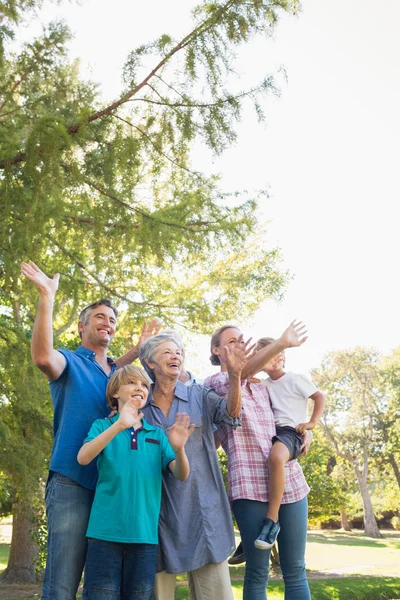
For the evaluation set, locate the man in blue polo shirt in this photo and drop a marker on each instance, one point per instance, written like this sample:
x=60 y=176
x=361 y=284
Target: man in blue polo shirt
x=78 y=382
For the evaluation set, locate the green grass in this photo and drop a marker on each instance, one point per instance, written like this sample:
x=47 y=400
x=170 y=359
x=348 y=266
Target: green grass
x=349 y=588
x=371 y=568
x=365 y=588
x=4 y=551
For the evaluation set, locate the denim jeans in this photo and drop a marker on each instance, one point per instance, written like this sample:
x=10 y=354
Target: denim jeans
x=116 y=571
x=249 y=515
x=68 y=507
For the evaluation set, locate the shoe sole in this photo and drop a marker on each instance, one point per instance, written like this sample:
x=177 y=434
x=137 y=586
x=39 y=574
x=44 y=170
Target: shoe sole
x=237 y=560
x=262 y=545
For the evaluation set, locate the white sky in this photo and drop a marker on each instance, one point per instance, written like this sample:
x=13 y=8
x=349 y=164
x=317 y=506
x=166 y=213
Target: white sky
x=328 y=152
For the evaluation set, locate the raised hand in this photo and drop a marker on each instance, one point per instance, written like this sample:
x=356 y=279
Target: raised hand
x=180 y=431
x=238 y=355
x=130 y=416
x=44 y=284
x=295 y=335
x=148 y=330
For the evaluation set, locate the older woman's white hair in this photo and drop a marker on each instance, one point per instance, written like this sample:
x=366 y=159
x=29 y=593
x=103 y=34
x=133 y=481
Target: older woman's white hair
x=148 y=349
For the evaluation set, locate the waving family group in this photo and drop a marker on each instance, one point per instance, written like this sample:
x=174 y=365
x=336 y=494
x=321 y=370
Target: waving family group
x=135 y=494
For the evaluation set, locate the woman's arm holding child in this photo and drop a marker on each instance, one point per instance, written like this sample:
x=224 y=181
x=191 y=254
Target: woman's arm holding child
x=178 y=435
x=129 y=417
x=319 y=405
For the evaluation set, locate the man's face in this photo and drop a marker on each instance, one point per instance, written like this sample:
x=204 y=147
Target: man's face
x=100 y=327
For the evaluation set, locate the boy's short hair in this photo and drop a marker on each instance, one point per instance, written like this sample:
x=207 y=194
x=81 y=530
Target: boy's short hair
x=263 y=342
x=124 y=376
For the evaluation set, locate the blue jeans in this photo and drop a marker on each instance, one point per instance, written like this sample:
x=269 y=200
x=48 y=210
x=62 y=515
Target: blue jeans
x=68 y=507
x=116 y=571
x=249 y=515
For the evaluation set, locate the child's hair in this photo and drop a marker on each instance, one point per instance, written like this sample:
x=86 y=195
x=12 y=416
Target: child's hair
x=124 y=376
x=263 y=342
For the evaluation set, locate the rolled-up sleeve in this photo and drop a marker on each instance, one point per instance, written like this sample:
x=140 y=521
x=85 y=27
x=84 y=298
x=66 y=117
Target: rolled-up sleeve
x=216 y=400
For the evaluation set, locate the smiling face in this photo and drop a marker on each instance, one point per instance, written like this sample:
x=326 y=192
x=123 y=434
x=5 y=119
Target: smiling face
x=168 y=360
x=134 y=392
x=99 y=327
x=228 y=337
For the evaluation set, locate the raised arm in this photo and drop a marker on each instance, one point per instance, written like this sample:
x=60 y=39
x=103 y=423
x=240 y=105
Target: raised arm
x=51 y=362
x=236 y=359
x=148 y=330
x=293 y=336
x=129 y=417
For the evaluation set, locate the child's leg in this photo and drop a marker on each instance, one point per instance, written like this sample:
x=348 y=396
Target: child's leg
x=103 y=570
x=278 y=457
x=139 y=571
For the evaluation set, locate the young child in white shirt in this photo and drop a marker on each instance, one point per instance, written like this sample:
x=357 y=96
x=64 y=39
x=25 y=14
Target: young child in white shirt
x=289 y=394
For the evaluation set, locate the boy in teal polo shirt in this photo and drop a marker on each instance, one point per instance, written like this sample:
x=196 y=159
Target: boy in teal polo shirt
x=123 y=524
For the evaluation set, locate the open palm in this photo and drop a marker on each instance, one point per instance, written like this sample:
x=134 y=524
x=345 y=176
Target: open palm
x=238 y=355
x=44 y=284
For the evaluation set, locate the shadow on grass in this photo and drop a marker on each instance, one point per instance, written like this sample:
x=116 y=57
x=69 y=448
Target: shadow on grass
x=342 y=539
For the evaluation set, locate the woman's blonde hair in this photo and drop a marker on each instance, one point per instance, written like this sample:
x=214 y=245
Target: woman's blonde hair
x=124 y=376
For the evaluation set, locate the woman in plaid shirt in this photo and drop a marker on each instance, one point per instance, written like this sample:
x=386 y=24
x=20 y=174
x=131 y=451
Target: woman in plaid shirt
x=248 y=449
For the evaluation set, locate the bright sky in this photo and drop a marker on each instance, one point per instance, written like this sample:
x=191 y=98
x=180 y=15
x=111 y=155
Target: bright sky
x=328 y=153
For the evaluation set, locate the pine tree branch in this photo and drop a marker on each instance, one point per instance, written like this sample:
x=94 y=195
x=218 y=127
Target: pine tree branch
x=105 y=287
x=145 y=215
x=171 y=160
x=111 y=108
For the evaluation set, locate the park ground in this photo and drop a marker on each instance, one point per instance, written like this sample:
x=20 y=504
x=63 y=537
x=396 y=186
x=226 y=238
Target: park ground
x=341 y=566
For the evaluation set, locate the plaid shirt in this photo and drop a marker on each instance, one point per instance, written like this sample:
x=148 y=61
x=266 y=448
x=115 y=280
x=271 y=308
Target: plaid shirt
x=248 y=446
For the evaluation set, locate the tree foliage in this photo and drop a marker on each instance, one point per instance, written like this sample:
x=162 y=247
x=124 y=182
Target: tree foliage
x=356 y=399
x=106 y=195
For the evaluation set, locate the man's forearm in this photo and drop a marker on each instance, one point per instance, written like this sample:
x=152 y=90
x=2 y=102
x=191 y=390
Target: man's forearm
x=42 y=335
x=234 y=399
x=128 y=357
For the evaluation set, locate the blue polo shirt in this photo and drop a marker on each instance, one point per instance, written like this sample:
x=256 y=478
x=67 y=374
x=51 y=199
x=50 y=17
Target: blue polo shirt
x=127 y=501
x=79 y=398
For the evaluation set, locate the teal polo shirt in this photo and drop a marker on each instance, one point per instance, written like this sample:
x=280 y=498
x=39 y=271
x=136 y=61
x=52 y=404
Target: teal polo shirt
x=127 y=501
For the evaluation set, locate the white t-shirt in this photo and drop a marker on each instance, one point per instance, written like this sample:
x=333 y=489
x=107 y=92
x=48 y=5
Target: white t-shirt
x=289 y=396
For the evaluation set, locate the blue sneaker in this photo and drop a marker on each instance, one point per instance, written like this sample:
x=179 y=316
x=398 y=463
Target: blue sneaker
x=268 y=535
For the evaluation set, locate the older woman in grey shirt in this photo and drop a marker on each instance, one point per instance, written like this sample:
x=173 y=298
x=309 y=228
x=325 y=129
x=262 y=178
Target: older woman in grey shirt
x=195 y=529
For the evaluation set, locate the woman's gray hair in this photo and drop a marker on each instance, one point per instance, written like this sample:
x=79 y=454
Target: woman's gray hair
x=148 y=349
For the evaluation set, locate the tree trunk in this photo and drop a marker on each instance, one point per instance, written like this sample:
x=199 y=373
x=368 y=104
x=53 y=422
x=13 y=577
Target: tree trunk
x=395 y=467
x=344 y=519
x=371 y=526
x=23 y=550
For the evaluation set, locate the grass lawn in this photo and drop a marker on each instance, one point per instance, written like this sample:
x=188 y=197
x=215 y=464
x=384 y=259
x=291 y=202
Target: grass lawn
x=365 y=569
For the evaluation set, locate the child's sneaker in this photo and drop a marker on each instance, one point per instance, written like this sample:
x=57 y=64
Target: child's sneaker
x=268 y=535
x=238 y=556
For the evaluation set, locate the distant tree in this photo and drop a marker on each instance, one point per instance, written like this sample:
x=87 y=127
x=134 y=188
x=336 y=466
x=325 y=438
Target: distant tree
x=386 y=449
x=326 y=496
x=106 y=195
x=351 y=381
